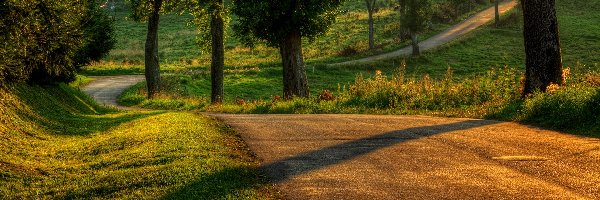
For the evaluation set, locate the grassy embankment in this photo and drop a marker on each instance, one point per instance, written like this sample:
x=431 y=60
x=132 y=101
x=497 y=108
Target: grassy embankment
x=55 y=143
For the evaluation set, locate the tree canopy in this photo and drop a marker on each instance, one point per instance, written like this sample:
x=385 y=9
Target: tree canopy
x=272 y=20
x=39 y=38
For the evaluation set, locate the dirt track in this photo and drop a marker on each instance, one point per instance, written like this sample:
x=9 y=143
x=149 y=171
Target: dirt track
x=416 y=157
x=106 y=89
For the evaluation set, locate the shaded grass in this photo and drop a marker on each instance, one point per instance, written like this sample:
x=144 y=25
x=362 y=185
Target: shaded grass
x=55 y=143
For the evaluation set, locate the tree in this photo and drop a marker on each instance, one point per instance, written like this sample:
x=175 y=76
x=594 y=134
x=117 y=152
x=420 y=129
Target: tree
x=98 y=32
x=283 y=24
x=542 y=46
x=213 y=14
x=150 y=10
x=217 y=24
x=38 y=40
x=497 y=15
x=414 y=15
x=371 y=10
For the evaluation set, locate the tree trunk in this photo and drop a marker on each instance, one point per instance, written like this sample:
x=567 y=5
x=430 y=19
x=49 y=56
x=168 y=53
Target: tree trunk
x=370 y=10
x=496 y=2
x=218 y=52
x=542 y=46
x=151 y=64
x=415 y=44
x=294 y=70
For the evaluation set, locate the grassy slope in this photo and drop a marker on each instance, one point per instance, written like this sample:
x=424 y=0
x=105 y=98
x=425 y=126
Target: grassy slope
x=492 y=47
x=55 y=143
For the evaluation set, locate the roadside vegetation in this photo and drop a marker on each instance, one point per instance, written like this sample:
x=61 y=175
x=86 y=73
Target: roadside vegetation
x=57 y=143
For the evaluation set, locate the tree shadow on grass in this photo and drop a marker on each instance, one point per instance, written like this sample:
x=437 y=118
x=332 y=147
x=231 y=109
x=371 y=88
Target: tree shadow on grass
x=226 y=182
x=67 y=111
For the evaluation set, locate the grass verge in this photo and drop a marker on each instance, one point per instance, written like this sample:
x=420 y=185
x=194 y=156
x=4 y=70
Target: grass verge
x=572 y=107
x=55 y=143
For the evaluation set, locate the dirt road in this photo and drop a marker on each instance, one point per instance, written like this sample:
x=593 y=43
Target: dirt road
x=415 y=157
x=106 y=89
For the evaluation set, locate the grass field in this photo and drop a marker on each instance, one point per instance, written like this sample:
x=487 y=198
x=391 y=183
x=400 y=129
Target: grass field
x=56 y=144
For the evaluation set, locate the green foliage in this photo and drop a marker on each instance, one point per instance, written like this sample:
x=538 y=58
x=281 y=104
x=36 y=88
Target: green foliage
x=273 y=20
x=71 y=148
x=414 y=14
x=567 y=108
x=98 y=30
x=38 y=39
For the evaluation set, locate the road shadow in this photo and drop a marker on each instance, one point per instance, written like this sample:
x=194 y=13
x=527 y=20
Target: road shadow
x=285 y=169
x=282 y=170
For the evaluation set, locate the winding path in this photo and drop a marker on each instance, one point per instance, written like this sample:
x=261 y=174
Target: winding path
x=407 y=157
x=106 y=89
x=448 y=35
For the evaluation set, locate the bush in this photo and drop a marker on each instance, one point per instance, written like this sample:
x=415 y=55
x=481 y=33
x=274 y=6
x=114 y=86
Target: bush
x=98 y=31
x=400 y=93
x=38 y=40
x=566 y=108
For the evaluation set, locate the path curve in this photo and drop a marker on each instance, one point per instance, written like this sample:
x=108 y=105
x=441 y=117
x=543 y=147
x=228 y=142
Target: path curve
x=407 y=157
x=417 y=157
x=448 y=35
x=106 y=89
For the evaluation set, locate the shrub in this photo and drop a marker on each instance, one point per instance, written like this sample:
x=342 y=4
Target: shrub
x=38 y=40
x=348 y=51
x=381 y=92
x=565 y=108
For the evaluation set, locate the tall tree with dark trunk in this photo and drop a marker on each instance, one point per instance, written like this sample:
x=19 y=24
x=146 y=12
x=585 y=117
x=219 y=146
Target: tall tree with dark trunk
x=414 y=15
x=542 y=46
x=151 y=64
x=218 y=53
x=497 y=14
x=371 y=11
x=283 y=24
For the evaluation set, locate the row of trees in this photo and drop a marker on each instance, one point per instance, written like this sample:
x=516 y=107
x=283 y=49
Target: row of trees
x=45 y=41
x=286 y=22
x=284 y=26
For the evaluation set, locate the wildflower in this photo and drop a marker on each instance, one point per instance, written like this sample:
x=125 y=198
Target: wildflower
x=565 y=74
x=552 y=87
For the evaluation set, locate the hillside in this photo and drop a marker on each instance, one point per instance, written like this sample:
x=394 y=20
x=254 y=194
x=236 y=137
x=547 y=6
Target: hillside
x=56 y=143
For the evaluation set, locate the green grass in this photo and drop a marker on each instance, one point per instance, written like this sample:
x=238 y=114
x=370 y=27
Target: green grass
x=469 y=56
x=253 y=77
x=491 y=47
x=55 y=143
